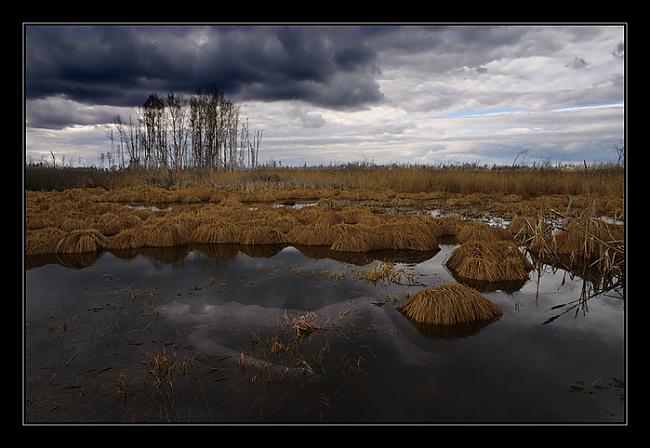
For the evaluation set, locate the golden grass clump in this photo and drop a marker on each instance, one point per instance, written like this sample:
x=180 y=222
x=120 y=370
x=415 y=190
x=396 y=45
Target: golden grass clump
x=126 y=239
x=163 y=234
x=234 y=214
x=448 y=225
x=72 y=224
x=254 y=234
x=216 y=232
x=313 y=234
x=354 y=239
x=353 y=214
x=80 y=241
x=42 y=241
x=480 y=231
x=308 y=215
x=404 y=236
x=492 y=261
x=328 y=218
x=529 y=231
x=589 y=238
x=111 y=223
x=449 y=304
x=282 y=222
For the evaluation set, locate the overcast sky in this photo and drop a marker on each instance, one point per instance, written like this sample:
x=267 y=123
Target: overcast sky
x=331 y=94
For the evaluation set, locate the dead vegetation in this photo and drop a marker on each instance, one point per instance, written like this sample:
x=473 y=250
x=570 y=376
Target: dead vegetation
x=449 y=304
x=91 y=220
x=479 y=231
x=493 y=261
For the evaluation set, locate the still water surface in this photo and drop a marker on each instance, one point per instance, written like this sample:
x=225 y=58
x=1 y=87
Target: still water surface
x=91 y=335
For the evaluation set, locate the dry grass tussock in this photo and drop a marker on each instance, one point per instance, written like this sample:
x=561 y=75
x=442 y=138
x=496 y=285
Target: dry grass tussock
x=112 y=223
x=355 y=239
x=216 y=232
x=258 y=234
x=531 y=232
x=589 y=238
x=313 y=234
x=449 y=304
x=405 y=235
x=480 y=231
x=163 y=234
x=494 y=261
x=80 y=241
x=42 y=241
x=126 y=239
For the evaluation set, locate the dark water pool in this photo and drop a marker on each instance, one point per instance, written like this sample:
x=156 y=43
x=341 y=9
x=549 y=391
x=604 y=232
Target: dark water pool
x=194 y=338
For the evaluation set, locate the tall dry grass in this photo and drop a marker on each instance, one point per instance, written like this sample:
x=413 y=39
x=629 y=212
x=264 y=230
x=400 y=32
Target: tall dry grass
x=526 y=182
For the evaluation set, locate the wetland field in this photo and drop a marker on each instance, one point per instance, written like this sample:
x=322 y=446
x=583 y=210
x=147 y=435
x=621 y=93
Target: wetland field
x=470 y=298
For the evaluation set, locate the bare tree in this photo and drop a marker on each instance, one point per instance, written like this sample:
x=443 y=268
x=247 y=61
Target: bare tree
x=53 y=158
x=205 y=130
x=620 y=153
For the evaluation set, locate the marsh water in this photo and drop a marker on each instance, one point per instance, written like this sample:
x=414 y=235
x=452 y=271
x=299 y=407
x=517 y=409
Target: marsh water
x=208 y=334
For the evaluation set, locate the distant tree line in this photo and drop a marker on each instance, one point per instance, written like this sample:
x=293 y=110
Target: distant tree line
x=204 y=130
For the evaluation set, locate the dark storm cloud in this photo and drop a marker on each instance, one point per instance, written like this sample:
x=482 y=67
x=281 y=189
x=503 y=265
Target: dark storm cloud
x=619 y=52
x=120 y=66
x=334 y=67
x=577 y=63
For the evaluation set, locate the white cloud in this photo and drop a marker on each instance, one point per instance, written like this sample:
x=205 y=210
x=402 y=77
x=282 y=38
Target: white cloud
x=533 y=94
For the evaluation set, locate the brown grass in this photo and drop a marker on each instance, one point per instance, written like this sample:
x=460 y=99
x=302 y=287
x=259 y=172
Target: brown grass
x=37 y=220
x=80 y=241
x=408 y=236
x=126 y=239
x=480 y=231
x=112 y=223
x=43 y=241
x=353 y=214
x=494 y=261
x=449 y=304
x=257 y=234
x=216 y=232
x=588 y=238
x=163 y=234
x=354 y=239
x=313 y=235
x=448 y=225
x=72 y=224
x=531 y=232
